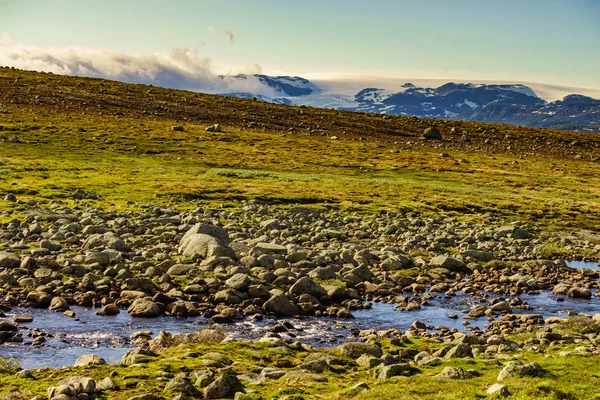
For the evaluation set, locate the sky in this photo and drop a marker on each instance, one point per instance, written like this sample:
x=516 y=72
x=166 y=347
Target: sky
x=549 y=41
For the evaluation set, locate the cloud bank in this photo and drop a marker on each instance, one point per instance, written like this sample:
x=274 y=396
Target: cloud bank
x=179 y=68
x=5 y=38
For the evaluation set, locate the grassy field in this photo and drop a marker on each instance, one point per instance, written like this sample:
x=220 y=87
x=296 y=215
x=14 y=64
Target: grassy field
x=123 y=153
x=571 y=377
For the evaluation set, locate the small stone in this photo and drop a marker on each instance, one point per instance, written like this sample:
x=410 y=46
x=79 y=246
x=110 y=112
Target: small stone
x=498 y=389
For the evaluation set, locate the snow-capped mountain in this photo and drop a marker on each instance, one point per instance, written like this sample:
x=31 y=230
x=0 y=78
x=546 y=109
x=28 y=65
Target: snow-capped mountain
x=276 y=86
x=505 y=103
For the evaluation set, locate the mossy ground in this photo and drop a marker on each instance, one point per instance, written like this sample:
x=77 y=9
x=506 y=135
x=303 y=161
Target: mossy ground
x=566 y=377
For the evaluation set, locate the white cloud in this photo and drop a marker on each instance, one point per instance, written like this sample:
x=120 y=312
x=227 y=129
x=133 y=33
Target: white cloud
x=179 y=68
x=5 y=38
x=230 y=35
x=210 y=29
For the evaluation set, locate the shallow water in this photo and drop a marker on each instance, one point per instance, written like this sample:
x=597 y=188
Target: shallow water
x=584 y=264
x=108 y=337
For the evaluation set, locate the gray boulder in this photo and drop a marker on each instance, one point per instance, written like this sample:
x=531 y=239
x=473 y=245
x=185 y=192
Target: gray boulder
x=144 y=308
x=210 y=230
x=281 y=306
x=89 y=359
x=516 y=369
x=202 y=246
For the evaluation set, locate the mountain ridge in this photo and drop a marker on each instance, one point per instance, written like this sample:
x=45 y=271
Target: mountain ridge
x=516 y=104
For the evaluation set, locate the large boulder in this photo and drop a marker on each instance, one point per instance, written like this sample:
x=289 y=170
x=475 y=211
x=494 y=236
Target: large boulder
x=144 y=308
x=202 y=246
x=281 y=306
x=210 y=230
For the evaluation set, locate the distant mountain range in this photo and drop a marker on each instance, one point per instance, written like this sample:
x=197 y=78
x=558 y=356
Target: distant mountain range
x=515 y=104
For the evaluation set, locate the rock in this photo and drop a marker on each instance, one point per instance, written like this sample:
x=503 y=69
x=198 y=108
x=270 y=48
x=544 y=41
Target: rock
x=59 y=304
x=210 y=230
x=281 y=306
x=137 y=356
x=561 y=289
x=456 y=373
x=145 y=397
x=305 y=285
x=516 y=369
x=24 y=374
x=268 y=248
x=177 y=128
x=359 y=388
x=181 y=385
x=50 y=245
x=144 y=308
x=22 y=318
x=449 y=263
x=213 y=128
x=501 y=307
x=356 y=349
x=498 y=390
x=38 y=299
x=8 y=327
x=108 y=310
x=432 y=133
x=202 y=246
x=240 y=282
x=224 y=386
x=477 y=255
x=580 y=293
x=462 y=350
x=81 y=384
x=367 y=361
x=89 y=359
x=318 y=366
x=108 y=240
x=106 y=384
x=389 y=371
x=8 y=260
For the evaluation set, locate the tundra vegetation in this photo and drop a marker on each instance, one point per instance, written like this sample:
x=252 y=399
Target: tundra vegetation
x=150 y=201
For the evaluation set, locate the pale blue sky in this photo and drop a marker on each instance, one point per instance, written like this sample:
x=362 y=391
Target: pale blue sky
x=551 y=41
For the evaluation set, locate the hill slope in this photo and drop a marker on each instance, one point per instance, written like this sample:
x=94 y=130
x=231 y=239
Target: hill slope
x=62 y=134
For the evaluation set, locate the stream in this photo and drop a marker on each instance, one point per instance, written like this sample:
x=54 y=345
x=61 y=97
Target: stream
x=108 y=337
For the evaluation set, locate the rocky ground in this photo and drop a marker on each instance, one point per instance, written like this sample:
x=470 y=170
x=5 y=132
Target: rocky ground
x=257 y=261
